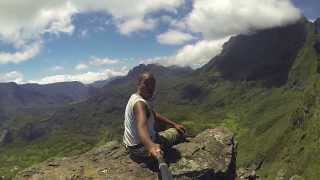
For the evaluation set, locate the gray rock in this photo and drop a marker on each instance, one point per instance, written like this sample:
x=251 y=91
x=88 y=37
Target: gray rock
x=281 y=174
x=246 y=174
x=210 y=155
x=296 y=177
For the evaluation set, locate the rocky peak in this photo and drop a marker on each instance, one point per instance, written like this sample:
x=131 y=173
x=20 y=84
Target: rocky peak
x=143 y=67
x=210 y=155
x=158 y=70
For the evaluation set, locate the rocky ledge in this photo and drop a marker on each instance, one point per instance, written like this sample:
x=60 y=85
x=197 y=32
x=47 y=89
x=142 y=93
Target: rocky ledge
x=209 y=155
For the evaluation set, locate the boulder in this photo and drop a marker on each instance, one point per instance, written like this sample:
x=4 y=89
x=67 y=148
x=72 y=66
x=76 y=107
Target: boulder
x=209 y=155
x=246 y=174
x=296 y=177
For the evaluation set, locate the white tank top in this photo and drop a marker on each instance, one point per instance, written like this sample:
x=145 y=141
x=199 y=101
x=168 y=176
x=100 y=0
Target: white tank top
x=131 y=136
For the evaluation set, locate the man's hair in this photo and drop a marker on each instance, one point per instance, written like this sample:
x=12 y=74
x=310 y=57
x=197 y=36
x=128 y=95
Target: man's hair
x=145 y=75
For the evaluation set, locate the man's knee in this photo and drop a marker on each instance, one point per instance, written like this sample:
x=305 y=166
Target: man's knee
x=171 y=137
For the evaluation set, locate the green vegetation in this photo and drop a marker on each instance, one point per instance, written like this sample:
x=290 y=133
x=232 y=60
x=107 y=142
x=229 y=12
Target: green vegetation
x=20 y=154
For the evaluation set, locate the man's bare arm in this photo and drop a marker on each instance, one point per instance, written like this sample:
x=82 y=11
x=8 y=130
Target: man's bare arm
x=164 y=120
x=143 y=129
x=167 y=121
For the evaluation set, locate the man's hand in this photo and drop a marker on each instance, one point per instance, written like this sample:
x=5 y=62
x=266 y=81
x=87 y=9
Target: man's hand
x=180 y=128
x=155 y=150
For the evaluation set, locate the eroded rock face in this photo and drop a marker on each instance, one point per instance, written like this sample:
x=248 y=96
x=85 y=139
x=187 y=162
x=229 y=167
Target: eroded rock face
x=210 y=155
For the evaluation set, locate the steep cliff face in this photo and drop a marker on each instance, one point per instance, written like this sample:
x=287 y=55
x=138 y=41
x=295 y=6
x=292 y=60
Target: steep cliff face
x=210 y=155
x=265 y=56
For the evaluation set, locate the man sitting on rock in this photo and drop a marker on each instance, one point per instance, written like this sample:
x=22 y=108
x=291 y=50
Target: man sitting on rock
x=140 y=137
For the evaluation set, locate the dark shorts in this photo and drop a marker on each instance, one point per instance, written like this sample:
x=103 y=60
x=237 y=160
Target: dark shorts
x=166 y=139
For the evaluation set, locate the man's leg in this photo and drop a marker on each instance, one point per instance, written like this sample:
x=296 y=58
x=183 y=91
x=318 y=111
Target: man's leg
x=165 y=138
x=141 y=156
x=170 y=137
x=138 y=153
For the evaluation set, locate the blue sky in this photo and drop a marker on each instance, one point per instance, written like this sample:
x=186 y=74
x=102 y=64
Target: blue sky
x=310 y=8
x=87 y=41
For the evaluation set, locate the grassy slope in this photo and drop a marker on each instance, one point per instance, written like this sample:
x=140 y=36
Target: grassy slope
x=20 y=154
x=281 y=124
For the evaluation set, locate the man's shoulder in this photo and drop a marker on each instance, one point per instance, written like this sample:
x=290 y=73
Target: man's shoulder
x=136 y=97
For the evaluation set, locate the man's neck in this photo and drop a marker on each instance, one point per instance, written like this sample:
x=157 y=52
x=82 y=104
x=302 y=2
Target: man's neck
x=140 y=94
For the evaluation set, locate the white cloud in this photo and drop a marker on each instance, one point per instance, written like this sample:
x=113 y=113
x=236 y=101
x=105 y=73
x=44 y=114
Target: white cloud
x=217 y=19
x=81 y=67
x=103 y=61
x=57 y=68
x=86 y=78
x=20 y=56
x=134 y=25
x=13 y=76
x=32 y=19
x=120 y=9
x=156 y=60
x=312 y=20
x=197 y=54
x=130 y=16
x=213 y=19
x=173 y=37
x=83 y=33
x=193 y=55
x=124 y=69
x=96 y=61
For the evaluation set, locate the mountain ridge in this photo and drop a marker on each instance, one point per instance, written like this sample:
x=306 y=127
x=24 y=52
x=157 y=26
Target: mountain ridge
x=272 y=52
